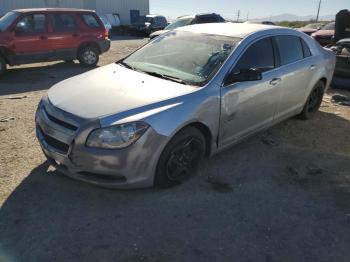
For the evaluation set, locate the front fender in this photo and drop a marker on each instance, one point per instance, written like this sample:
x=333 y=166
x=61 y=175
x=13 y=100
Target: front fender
x=168 y=117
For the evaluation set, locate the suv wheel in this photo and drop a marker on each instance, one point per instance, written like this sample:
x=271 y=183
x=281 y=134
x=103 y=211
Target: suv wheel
x=88 y=56
x=2 y=66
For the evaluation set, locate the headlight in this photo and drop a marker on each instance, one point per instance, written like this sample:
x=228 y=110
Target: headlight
x=116 y=137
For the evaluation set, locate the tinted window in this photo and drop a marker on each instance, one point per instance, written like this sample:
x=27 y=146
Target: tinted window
x=306 y=48
x=162 y=20
x=32 y=24
x=63 y=23
x=91 y=21
x=206 y=19
x=290 y=49
x=259 y=55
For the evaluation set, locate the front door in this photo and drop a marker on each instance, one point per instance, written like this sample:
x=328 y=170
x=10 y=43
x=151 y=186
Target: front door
x=250 y=105
x=30 y=39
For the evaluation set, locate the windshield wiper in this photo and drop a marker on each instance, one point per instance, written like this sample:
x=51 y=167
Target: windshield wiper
x=167 y=77
x=152 y=73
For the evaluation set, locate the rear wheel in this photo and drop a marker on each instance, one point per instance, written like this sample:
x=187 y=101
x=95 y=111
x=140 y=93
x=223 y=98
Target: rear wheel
x=313 y=102
x=88 y=56
x=3 y=66
x=180 y=158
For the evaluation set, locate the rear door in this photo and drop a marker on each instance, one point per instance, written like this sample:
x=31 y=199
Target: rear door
x=64 y=34
x=296 y=71
x=30 y=39
x=249 y=106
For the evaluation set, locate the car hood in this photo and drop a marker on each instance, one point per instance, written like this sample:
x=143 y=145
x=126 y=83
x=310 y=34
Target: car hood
x=112 y=89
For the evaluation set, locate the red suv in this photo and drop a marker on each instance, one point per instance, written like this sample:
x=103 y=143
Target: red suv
x=39 y=35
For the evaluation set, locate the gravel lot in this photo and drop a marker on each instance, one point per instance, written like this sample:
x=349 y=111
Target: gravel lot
x=286 y=198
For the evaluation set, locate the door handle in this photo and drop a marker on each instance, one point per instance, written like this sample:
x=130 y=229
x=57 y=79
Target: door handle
x=43 y=37
x=312 y=68
x=275 y=81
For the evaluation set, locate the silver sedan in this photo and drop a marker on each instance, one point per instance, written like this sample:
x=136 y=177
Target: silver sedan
x=150 y=118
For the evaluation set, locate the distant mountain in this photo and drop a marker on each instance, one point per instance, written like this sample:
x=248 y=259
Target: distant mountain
x=292 y=17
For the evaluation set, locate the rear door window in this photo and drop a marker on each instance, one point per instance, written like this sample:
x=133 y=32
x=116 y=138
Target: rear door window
x=259 y=55
x=64 y=23
x=91 y=21
x=290 y=49
x=32 y=24
x=306 y=49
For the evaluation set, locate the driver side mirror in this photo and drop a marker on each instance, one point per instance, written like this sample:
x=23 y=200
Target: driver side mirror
x=244 y=75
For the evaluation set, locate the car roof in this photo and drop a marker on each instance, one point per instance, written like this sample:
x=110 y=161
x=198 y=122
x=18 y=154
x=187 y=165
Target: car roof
x=239 y=30
x=30 y=10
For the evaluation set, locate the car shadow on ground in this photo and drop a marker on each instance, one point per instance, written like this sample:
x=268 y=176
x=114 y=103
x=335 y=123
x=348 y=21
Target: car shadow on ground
x=37 y=77
x=275 y=202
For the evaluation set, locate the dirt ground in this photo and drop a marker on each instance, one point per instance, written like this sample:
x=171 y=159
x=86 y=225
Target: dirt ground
x=286 y=198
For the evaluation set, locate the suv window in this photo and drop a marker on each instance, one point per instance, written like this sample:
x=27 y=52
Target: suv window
x=64 y=23
x=306 y=49
x=290 y=48
x=206 y=19
x=31 y=24
x=255 y=58
x=91 y=21
x=162 y=20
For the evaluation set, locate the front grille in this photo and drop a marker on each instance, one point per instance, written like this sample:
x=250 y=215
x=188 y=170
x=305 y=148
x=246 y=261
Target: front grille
x=58 y=145
x=60 y=122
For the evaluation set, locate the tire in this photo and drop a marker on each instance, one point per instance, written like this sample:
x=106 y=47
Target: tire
x=3 y=66
x=313 y=102
x=88 y=56
x=180 y=158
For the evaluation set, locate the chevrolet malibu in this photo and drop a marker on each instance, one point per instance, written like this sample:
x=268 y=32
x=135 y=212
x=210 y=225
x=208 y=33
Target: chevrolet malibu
x=150 y=118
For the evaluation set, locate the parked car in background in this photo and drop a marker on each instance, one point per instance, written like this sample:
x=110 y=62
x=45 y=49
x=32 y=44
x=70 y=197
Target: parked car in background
x=342 y=50
x=150 y=118
x=311 y=28
x=106 y=23
x=190 y=20
x=38 y=35
x=150 y=23
x=325 y=34
x=260 y=22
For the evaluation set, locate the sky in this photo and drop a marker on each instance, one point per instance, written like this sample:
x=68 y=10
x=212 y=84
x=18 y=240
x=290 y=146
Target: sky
x=252 y=8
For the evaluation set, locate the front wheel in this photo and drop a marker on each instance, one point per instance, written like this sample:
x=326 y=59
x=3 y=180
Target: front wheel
x=88 y=56
x=180 y=158
x=313 y=102
x=3 y=66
